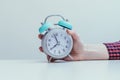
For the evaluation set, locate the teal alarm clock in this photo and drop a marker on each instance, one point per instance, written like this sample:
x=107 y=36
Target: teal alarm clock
x=56 y=42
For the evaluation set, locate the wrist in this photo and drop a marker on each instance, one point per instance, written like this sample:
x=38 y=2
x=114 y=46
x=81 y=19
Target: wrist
x=94 y=52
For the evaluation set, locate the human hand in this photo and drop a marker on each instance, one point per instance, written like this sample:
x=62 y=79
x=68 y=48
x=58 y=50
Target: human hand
x=76 y=51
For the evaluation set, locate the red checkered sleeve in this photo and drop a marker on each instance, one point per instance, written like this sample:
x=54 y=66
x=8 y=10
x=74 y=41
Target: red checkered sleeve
x=114 y=50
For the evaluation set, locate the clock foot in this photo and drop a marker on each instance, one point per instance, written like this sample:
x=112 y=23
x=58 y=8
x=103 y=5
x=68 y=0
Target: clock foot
x=70 y=57
x=50 y=60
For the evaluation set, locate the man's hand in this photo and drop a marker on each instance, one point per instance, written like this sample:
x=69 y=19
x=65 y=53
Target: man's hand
x=83 y=52
x=76 y=50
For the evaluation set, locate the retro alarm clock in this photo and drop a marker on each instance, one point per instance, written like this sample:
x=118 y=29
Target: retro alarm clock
x=56 y=42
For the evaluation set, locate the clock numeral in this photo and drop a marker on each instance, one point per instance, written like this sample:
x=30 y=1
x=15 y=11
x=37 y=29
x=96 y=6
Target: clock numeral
x=61 y=35
x=67 y=41
x=66 y=46
x=59 y=51
x=65 y=37
x=54 y=51
x=63 y=50
x=56 y=34
x=48 y=44
x=52 y=36
x=49 y=40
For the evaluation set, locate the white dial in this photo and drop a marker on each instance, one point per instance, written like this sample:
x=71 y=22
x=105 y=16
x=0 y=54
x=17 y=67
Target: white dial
x=57 y=43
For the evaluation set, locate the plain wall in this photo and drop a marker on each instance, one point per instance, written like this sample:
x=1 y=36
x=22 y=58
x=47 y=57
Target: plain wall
x=96 y=21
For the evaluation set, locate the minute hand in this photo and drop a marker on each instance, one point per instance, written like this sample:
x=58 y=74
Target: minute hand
x=56 y=39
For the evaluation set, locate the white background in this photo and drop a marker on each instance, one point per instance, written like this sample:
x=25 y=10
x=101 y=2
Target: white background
x=96 y=21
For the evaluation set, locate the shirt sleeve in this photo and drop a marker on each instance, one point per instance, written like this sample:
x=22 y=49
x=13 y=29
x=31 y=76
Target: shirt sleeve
x=114 y=50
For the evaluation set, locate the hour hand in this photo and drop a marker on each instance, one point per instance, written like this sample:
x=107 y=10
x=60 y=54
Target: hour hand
x=53 y=46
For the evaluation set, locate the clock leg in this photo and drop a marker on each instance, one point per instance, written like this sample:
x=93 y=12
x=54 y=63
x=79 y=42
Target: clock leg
x=49 y=59
x=70 y=57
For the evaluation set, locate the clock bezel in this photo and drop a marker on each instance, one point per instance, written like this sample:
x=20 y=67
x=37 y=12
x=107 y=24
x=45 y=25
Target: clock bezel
x=44 y=43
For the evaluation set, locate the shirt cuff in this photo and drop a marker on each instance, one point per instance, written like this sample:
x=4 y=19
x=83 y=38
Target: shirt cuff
x=114 y=50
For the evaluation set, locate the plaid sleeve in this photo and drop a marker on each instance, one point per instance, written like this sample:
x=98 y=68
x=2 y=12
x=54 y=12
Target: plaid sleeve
x=114 y=50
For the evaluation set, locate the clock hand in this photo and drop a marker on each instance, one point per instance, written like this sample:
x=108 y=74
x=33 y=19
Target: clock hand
x=54 y=46
x=58 y=42
x=55 y=38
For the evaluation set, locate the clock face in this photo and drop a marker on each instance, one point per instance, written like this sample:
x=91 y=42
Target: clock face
x=57 y=43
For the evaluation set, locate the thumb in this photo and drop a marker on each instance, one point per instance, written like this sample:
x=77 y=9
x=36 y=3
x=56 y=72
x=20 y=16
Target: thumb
x=73 y=34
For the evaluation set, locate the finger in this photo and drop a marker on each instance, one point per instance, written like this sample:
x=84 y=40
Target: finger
x=40 y=36
x=67 y=58
x=52 y=60
x=41 y=49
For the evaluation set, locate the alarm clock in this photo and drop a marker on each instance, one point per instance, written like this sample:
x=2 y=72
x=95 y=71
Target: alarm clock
x=56 y=42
